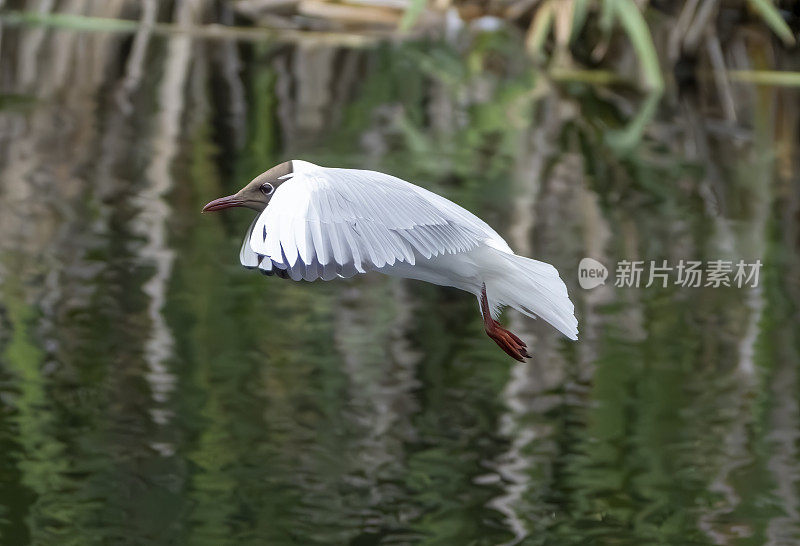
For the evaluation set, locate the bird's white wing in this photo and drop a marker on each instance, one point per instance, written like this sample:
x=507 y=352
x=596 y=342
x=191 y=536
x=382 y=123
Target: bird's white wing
x=464 y=218
x=324 y=223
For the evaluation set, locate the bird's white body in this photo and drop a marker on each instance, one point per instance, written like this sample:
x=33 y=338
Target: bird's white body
x=328 y=223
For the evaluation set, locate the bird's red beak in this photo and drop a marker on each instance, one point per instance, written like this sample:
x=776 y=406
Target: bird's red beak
x=224 y=203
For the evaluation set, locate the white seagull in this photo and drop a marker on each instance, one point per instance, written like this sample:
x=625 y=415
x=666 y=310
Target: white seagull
x=322 y=223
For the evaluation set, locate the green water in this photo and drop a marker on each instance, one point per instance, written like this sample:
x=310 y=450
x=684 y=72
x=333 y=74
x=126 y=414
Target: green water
x=152 y=391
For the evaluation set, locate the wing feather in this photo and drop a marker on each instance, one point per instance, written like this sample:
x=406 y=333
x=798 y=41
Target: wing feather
x=321 y=242
x=286 y=233
x=337 y=238
x=247 y=256
x=304 y=250
x=351 y=237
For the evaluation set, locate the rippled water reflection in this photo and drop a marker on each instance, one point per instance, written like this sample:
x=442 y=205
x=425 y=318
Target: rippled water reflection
x=152 y=391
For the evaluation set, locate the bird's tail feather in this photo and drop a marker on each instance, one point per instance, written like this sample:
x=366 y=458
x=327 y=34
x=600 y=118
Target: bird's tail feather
x=532 y=288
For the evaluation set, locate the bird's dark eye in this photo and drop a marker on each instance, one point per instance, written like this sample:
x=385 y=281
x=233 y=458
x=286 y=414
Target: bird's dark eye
x=267 y=188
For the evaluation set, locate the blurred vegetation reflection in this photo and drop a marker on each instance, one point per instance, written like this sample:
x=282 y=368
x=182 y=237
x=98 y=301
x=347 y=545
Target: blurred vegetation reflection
x=154 y=392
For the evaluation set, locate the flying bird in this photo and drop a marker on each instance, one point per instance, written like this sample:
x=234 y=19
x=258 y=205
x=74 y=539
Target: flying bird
x=324 y=223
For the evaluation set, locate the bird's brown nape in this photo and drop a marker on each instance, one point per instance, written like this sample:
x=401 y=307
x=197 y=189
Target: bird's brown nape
x=282 y=169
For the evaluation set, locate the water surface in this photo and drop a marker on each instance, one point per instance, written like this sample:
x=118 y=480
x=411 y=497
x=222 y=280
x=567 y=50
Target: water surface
x=154 y=392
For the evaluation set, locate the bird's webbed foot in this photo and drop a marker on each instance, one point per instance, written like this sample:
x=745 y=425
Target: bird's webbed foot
x=508 y=341
x=505 y=339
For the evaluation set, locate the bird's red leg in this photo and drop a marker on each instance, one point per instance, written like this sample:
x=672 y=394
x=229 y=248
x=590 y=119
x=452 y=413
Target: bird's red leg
x=510 y=343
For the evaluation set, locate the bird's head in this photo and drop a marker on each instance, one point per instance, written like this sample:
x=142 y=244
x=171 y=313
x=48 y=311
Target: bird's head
x=257 y=193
